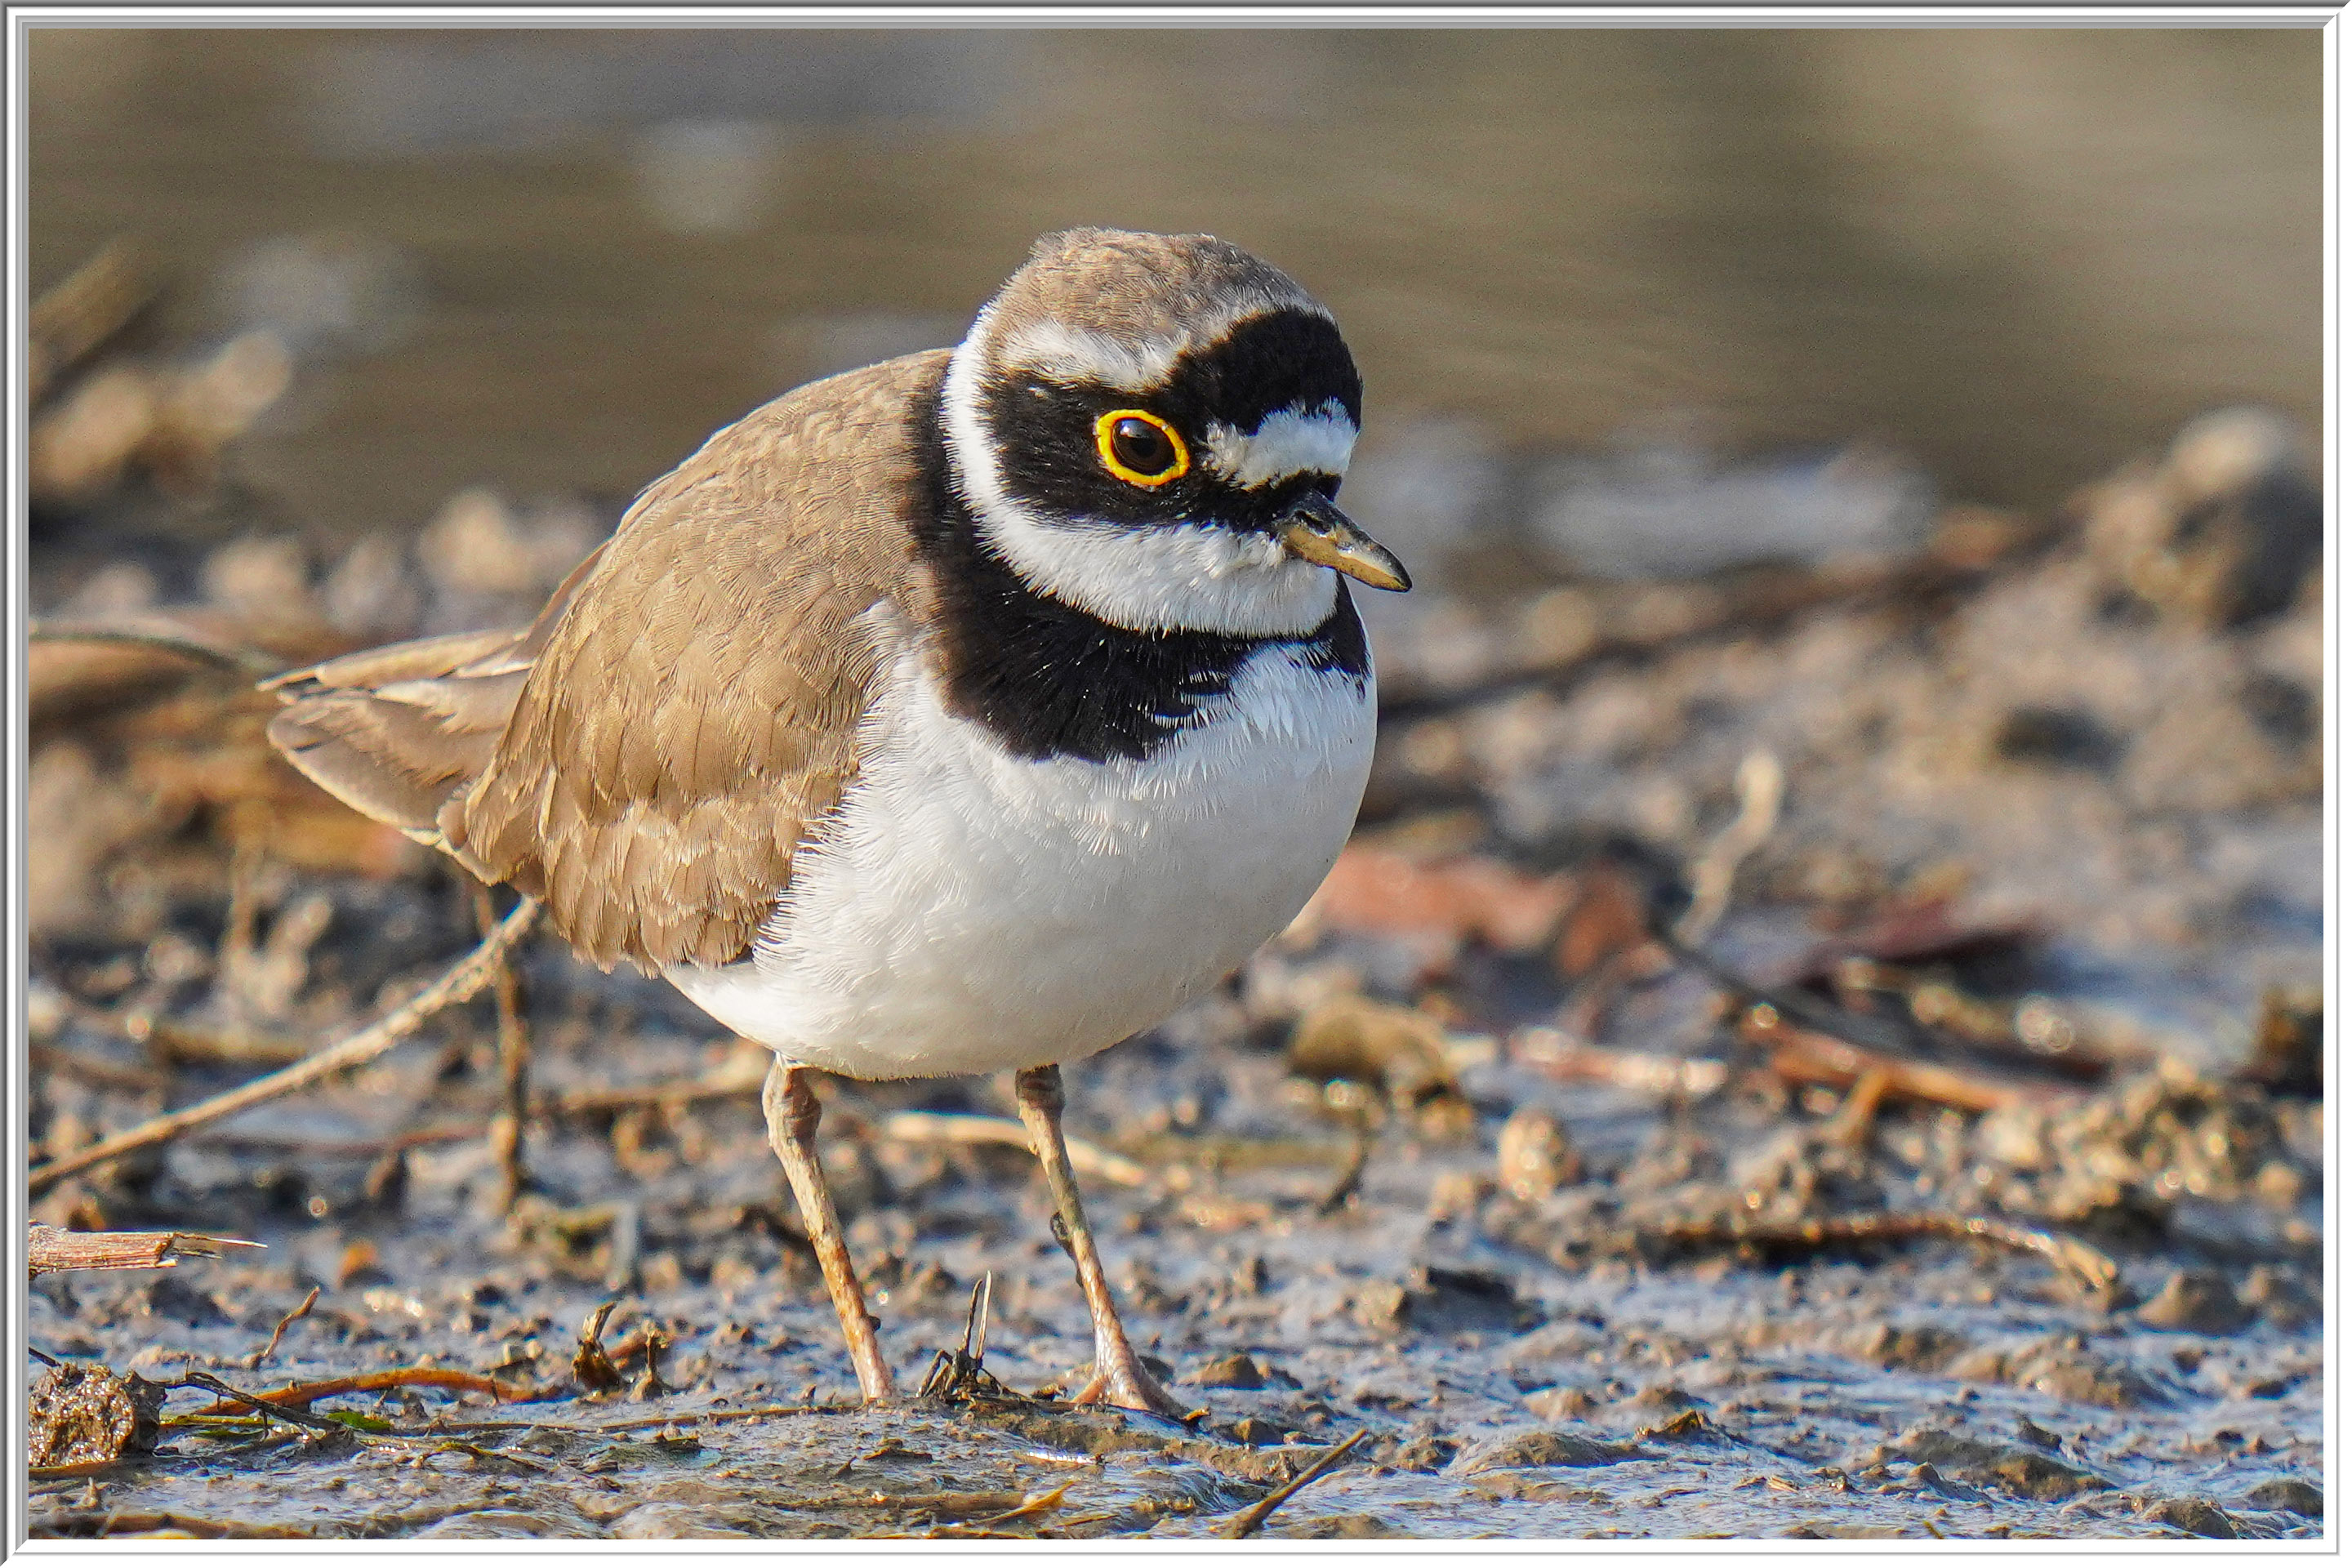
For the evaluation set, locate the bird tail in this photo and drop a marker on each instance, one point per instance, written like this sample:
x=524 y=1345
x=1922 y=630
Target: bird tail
x=400 y=733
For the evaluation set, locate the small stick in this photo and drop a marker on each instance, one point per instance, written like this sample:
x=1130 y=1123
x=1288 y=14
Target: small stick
x=1808 y=1055
x=161 y=635
x=591 y=1363
x=1258 y=1512
x=1849 y=1128
x=98 y=299
x=2086 y=1263
x=1563 y=1056
x=514 y=1064
x=544 y=1107
x=1351 y=1180
x=294 y=1417
x=1761 y=785
x=239 y=1400
x=945 y=1127
x=1030 y=1507
x=48 y=1249
x=106 y=1521
x=639 y=1424
x=302 y=1395
x=280 y=1331
x=465 y=978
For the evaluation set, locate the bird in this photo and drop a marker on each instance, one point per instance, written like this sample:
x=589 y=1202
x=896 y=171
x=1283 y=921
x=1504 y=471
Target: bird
x=968 y=712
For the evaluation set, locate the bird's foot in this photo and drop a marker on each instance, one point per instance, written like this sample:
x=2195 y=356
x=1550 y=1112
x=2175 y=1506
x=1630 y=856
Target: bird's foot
x=1129 y=1387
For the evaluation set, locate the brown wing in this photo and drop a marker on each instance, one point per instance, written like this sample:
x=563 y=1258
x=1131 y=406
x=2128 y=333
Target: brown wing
x=396 y=732
x=694 y=710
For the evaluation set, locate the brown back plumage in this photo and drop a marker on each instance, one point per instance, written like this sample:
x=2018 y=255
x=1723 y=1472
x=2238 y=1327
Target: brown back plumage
x=648 y=757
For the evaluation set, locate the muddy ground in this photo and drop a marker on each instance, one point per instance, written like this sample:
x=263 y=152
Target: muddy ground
x=1827 y=1047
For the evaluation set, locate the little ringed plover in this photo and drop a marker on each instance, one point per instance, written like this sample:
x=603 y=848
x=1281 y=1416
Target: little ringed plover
x=969 y=711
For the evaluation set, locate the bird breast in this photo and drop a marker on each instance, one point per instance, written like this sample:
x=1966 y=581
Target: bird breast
x=966 y=910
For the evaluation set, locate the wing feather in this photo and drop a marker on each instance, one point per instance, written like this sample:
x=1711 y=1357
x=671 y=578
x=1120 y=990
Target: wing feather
x=694 y=713
x=651 y=753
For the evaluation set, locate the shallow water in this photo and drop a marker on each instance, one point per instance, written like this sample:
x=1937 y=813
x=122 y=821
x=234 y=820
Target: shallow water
x=2011 y=256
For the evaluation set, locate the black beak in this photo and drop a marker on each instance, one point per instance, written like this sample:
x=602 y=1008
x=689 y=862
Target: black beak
x=1316 y=530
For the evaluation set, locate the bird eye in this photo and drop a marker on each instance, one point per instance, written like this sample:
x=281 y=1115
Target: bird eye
x=1140 y=448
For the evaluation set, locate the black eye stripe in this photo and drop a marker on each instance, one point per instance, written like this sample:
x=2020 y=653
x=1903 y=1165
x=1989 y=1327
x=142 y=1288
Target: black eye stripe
x=1050 y=454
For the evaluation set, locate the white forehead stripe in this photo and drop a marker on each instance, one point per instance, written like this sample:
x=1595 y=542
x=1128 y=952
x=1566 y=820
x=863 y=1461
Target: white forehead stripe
x=1064 y=352
x=1076 y=355
x=1286 y=442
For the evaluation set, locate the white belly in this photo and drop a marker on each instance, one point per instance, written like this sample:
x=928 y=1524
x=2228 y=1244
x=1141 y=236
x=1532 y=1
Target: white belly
x=969 y=911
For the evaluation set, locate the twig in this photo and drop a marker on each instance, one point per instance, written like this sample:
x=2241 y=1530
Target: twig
x=1030 y=1507
x=106 y=1521
x=639 y=1424
x=1563 y=1056
x=105 y=1075
x=48 y=1249
x=1761 y=787
x=1808 y=1055
x=160 y=634
x=1351 y=1180
x=590 y=1363
x=280 y=1331
x=1258 y=1512
x=2086 y=1263
x=1874 y=1034
x=944 y=1126
x=544 y=1107
x=514 y=1064
x=239 y=1400
x=462 y=981
x=100 y=298
x=302 y=1395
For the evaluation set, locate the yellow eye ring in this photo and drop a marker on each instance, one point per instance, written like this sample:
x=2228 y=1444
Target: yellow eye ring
x=1108 y=438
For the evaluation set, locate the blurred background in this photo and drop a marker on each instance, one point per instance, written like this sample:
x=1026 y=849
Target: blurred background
x=554 y=261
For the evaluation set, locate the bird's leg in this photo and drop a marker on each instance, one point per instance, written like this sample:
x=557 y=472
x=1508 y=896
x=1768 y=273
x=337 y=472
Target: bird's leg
x=793 y=1112
x=1119 y=1377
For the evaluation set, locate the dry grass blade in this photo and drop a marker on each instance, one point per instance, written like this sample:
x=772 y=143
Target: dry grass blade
x=944 y=1126
x=461 y=982
x=48 y=1249
x=1247 y=1522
